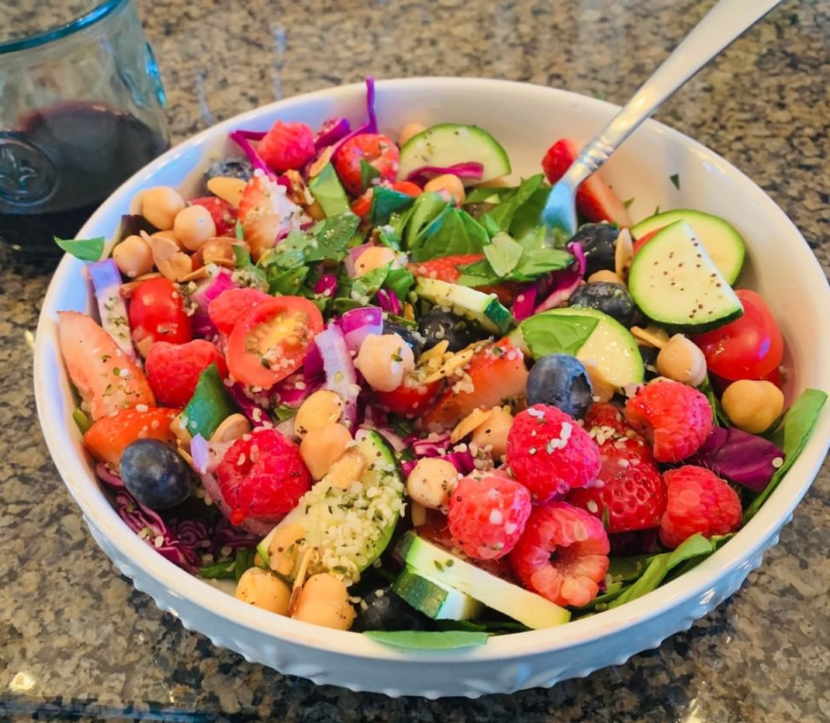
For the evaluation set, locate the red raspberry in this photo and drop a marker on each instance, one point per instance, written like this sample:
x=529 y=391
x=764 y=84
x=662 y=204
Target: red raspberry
x=222 y=213
x=607 y=418
x=174 y=369
x=676 y=418
x=699 y=501
x=562 y=555
x=488 y=514
x=549 y=453
x=287 y=146
x=262 y=476
x=231 y=305
x=629 y=492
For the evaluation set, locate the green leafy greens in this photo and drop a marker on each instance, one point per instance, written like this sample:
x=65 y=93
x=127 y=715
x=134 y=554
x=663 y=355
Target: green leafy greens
x=556 y=334
x=89 y=249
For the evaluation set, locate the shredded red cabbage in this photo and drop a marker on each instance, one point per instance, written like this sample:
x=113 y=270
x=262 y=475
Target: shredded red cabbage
x=468 y=169
x=108 y=476
x=389 y=301
x=524 y=304
x=372 y=125
x=463 y=461
x=227 y=535
x=254 y=411
x=740 y=457
x=294 y=390
x=330 y=132
x=435 y=446
x=241 y=138
x=566 y=281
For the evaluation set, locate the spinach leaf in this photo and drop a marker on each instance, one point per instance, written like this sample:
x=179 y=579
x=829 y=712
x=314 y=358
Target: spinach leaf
x=367 y=174
x=541 y=261
x=385 y=202
x=528 y=216
x=626 y=569
x=504 y=254
x=798 y=424
x=488 y=195
x=285 y=282
x=548 y=334
x=400 y=281
x=490 y=226
x=424 y=640
x=388 y=236
x=504 y=213
x=453 y=232
x=332 y=238
x=89 y=249
x=247 y=273
x=365 y=287
x=427 y=207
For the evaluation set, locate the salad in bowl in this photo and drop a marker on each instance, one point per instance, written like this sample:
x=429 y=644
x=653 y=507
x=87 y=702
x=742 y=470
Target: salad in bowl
x=354 y=381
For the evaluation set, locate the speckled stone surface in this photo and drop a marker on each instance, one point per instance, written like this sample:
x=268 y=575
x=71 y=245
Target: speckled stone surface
x=76 y=641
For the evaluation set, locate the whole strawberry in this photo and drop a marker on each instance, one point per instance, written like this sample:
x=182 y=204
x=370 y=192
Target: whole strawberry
x=676 y=418
x=550 y=453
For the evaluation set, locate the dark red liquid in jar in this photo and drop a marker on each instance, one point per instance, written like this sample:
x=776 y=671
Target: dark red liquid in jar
x=60 y=163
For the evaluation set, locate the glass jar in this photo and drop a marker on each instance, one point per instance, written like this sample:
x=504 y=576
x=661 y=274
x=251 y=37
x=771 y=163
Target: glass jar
x=81 y=110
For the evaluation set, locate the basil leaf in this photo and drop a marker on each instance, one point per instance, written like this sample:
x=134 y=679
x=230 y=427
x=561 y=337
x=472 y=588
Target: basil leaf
x=488 y=195
x=365 y=287
x=556 y=334
x=367 y=174
x=452 y=232
x=490 y=226
x=400 y=281
x=529 y=214
x=478 y=273
x=285 y=283
x=504 y=213
x=504 y=254
x=427 y=207
x=89 y=249
x=290 y=253
x=536 y=262
x=332 y=236
x=424 y=640
x=798 y=425
x=385 y=202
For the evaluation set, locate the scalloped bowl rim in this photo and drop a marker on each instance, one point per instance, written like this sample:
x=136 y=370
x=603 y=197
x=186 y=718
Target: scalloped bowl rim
x=179 y=584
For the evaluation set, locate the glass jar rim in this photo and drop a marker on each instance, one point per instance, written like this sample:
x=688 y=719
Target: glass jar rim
x=93 y=16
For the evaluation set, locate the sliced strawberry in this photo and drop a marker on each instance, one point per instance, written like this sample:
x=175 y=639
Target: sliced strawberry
x=447 y=269
x=109 y=436
x=595 y=200
x=265 y=210
x=107 y=380
x=497 y=374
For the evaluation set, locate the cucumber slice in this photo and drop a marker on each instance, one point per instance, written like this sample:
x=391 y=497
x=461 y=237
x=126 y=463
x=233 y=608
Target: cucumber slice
x=349 y=528
x=433 y=598
x=467 y=302
x=450 y=143
x=724 y=244
x=439 y=565
x=675 y=282
x=594 y=338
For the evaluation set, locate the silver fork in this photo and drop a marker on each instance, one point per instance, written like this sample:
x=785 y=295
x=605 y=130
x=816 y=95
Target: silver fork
x=721 y=26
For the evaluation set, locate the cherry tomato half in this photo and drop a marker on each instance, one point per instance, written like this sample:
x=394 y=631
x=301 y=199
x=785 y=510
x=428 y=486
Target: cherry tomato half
x=270 y=342
x=157 y=314
x=748 y=348
x=378 y=151
x=410 y=400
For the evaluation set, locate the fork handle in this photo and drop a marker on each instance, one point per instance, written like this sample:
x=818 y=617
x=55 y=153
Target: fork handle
x=723 y=24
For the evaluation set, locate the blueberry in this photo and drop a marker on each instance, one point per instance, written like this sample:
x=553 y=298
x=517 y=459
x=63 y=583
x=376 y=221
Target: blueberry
x=155 y=474
x=611 y=299
x=438 y=325
x=599 y=244
x=240 y=168
x=390 y=327
x=387 y=611
x=561 y=381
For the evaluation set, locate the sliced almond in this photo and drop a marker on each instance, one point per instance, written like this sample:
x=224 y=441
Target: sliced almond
x=432 y=359
x=651 y=336
x=308 y=557
x=198 y=274
x=347 y=470
x=316 y=168
x=419 y=514
x=172 y=263
x=469 y=423
x=227 y=188
x=623 y=254
x=451 y=365
x=231 y=429
x=180 y=432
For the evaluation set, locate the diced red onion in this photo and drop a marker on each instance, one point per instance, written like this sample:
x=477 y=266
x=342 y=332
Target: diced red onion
x=106 y=281
x=294 y=390
x=326 y=286
x=210 y=288
x=566 y=281
x=469 y=169
x=313 y=365
x=339 y=371
x=330 y=132
x=525 y=301
x=463 y=461
x=357 y=324
x=438 y=446
x=351 y=258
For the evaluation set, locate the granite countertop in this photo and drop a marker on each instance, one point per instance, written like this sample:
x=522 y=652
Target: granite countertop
x=77 y=641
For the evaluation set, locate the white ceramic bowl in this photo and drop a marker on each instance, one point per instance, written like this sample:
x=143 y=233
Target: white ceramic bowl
x=526 y=119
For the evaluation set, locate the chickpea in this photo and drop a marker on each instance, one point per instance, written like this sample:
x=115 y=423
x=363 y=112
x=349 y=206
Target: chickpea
x=284 y=548
x=493 y=432
x=752 y=405
x=324 y=600
x=347 y=470
x=431 y=482
x=606 y=276
x=322 y=447
x=384 y=360
x=160 y=205
x=218 y=251
x=682 y=360
x=264 y=590
x=449 y=183
x=373 y=258
x=321 y=409
x=410 y=130
x=133 y=257
x=193 y=226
